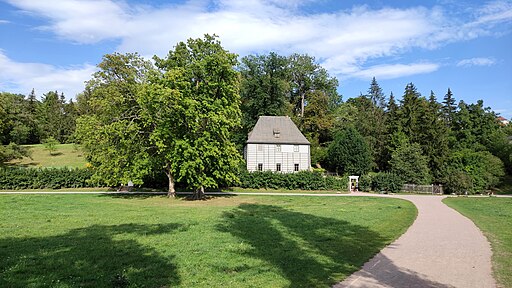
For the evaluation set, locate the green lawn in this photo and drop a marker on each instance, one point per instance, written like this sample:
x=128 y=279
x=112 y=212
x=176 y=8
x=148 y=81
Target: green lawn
x=66 y=155
x=494 y=217
x=239 y=241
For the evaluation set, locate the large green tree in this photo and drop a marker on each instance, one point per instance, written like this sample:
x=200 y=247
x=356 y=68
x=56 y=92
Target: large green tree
x=200 y=75
x=56 y=118
x=410 y=164
x=449 y=107
x=113 y=133
x=434 y=136
x=348 y=153
x=264 y=87
x=306 y=77
x=472 y=171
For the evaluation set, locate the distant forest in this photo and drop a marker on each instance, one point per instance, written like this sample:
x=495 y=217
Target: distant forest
x=423 y=139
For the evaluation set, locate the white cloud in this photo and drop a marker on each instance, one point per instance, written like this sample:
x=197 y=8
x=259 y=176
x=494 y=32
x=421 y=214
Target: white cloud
x=494 y=12
x=4 y=21
x=476 y=62
x=344 y=40
x=395 y=70
x=22 y=77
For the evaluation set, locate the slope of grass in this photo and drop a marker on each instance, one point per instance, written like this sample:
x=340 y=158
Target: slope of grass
x=152 y=241
x=66 y=155
x=494 y=217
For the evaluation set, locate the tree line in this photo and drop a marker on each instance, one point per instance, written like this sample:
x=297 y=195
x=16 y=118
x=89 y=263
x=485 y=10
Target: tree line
x=188 y=115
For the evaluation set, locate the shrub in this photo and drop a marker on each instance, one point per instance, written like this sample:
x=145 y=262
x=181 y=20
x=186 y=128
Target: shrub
x=410 y=164
x=349 y=153
x=50 y=144
x=388 y=182
x=304 y=180
x=50 y=178
x=474 y=171
x=365 y=182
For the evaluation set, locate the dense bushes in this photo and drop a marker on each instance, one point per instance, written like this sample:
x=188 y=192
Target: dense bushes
x=471 y=171
x=50 y=178
x=304 y=180
x=381 y=181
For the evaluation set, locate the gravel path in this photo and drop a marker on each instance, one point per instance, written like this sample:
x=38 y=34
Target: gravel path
x=441 y=249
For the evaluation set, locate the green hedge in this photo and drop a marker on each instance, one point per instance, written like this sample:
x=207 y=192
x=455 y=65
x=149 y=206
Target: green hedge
x=50 y=178
x=381 y=181
x=303 y=180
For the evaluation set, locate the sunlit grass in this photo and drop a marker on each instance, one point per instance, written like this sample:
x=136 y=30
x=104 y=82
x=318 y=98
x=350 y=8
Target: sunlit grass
x=65 y=155
x=153 y=241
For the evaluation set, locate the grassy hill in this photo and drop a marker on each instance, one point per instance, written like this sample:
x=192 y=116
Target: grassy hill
x=66 y=155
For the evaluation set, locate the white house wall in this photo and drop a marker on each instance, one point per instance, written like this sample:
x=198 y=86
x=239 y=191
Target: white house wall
x=268 y=156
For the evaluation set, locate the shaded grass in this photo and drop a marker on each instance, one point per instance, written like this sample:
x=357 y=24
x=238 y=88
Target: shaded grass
x=494 y=217
x=263 y=190
x=243 y=241
x=65 y=155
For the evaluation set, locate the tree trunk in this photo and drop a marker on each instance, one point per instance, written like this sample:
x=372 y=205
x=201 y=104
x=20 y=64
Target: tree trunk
x=198 y=194
x=302 y=105
x=171 y=193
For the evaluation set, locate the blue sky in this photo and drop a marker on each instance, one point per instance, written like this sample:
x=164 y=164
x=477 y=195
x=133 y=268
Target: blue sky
x=462 y=45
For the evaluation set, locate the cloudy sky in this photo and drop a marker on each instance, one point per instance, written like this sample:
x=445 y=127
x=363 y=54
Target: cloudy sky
x=464 y=45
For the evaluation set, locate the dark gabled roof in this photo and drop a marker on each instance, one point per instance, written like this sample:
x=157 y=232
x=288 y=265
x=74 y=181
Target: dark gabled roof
x=276 y=130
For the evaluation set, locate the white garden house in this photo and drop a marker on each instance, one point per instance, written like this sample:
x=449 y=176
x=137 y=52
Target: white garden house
x=276 y=144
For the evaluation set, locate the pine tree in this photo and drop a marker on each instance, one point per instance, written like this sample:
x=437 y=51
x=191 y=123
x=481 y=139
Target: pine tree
x=412 y=106
x=434 y=137
x=376 y=95
x=449 y=107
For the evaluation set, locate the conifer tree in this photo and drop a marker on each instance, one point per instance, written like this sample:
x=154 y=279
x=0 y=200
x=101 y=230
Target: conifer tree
x=449 y=107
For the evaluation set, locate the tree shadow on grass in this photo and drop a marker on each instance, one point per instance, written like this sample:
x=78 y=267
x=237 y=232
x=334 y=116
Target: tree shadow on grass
x=308 y=250
x=95 y=256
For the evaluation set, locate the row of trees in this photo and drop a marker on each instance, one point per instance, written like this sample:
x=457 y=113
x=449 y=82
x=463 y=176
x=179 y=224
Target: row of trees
x=418 y=138
x=28 y=120
x=189 y=113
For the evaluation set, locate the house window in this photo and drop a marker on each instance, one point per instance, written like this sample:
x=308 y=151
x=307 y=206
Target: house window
x=278 y=167
x=296 y=167
x=260 y=147
x=260 y=166
x=295 y=148
x=278 y=148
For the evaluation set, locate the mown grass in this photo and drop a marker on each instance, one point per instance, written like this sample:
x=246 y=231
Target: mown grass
x=494 y=217
x=152 y=241
x=66 y=155
x=263 y=190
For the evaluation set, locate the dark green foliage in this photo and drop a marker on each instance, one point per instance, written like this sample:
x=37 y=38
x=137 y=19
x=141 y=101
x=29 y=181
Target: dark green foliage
x=18 y=119
x=382 y=181
x=303 y=180
x=458 y=182
x=56 y=118
x=474 y=171
x=349 y=153
x=388 y=182
x=410 y=164
x=474 y=126
x=47 y=178
x=449 y=107
x=11 y=152
x=264 y=88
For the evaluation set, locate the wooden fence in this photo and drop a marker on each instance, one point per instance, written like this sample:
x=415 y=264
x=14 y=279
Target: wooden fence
x=423 y=189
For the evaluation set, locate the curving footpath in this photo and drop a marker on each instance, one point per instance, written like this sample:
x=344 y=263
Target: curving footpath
x=442 y=248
